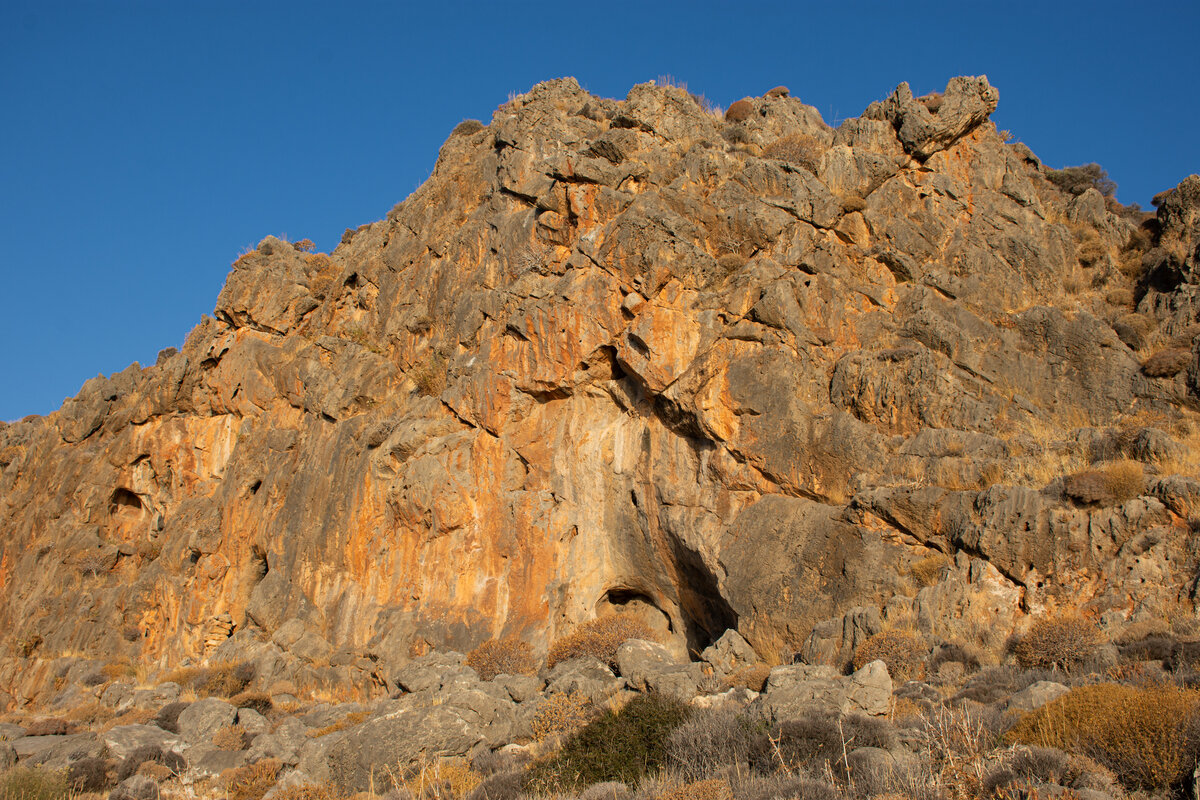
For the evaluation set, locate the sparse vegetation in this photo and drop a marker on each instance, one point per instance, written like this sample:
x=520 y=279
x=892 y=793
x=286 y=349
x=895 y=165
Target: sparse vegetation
x=800 y=149
x=31 y=783
x=598 y=638
x=1077 y=180
x=252 y=782
x=505 y=656
x=753 y=677
x=1167 y=363
x=1058 y=642
x=221 y=680
x=1105 y=484
x=619 y=746
x=467 y=127
x=1148 y=737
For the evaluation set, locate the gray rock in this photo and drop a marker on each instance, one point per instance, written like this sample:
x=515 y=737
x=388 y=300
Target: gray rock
x=295 y=779
x=869 y=690
x=284 y=743
x=57 y=752
x=794 y=691
x=252 y=722
x=117 y=695
x=587 y=677
x=638 y=659
x=124 y=739
x=520 y=687
x=199 y=721
x=1036 y=695
x=9 y=732
x=207 y=760
x=607 y=790
x=137 y=787
x=434 y=671
x=737 y=697
x=729 y=653
x=678 y=681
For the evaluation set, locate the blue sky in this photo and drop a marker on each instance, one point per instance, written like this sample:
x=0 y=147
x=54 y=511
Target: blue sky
x=144 y=145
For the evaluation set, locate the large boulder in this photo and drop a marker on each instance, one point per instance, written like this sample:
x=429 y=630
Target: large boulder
x=200 y=720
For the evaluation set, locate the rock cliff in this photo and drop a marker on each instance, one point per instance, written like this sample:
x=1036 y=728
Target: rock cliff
x=631 y=357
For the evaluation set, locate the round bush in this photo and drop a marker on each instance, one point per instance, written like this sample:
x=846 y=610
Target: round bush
x=599 y=639
x=505 y=657
x=903 y=651
x=1058 y=643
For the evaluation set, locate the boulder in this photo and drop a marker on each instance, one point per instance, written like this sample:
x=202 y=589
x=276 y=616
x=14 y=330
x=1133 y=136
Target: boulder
x=638 y=660
x=587 y=677
x=137 y=787
x=8 y=756
x=729 y=653
x=124 y=739
x=434 y=671
x=284 y=743
x=200 y=720
x=57 y=752
x=1036 y=695
x=794 y=691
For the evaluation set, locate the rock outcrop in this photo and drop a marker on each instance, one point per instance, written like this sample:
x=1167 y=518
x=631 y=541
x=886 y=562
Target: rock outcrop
x=628 y=357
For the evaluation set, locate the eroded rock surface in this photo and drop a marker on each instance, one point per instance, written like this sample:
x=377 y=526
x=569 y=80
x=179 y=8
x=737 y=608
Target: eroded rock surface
x=626 y=357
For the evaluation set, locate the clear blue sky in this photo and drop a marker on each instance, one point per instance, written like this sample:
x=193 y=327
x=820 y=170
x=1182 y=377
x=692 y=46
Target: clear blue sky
x=143 y=145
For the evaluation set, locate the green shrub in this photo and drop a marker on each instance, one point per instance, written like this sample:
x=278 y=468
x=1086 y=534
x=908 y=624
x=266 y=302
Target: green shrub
x=1148 y=737
x=501 y=657
x=30 y=783
x=598 y=638
x=1058 y=642
x=903 y=651
x=621 y=746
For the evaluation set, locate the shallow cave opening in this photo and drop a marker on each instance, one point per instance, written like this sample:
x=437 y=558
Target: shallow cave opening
x=258 y=567
x=706 y=614
x=637 y=604
x=124 y=501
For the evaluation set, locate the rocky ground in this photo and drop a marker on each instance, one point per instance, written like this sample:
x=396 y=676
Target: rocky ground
x=637 y=722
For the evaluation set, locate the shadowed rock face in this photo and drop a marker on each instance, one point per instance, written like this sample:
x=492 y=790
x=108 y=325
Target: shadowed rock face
x=612 y=357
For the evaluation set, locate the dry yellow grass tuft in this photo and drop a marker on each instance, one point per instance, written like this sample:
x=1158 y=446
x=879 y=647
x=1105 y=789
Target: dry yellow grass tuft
x=442 y=779
x=710 y=789
x=1107 y=483
x=348 y=721
x=753 y=677
x=252 y=782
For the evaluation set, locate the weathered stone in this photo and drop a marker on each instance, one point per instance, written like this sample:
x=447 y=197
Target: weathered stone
x=638 y=660
x=57 y=752
x=729 y=653
x=585 y=677
x=1036 y=695
x=200 y=720
x=137 y=787
x=124 y=739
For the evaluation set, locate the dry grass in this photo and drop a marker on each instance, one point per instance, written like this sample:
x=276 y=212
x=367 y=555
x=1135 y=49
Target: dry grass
x=223 y=680
x=502 y=657
x=252 y=782
x=598 y=638
x=323 y=791
x=928 y=570
x=800 y=149
x=440 y=779
x=230 y=737
x=1148 y=737
x=903 y=651
x=430 y=375
x=1059 y=642
x=1107 y=483
x=709 y=789
x=561 y=713
x=348 y=721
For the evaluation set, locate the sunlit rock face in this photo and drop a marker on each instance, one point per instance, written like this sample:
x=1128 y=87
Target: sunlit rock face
x=628 y=357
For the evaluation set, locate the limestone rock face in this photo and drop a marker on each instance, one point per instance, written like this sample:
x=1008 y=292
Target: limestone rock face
x=627 y=357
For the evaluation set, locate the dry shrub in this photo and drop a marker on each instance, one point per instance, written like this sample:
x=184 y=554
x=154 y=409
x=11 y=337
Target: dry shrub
x=739 y=111
x=224 y=680
x=932 y=101
x=598 y=638
x=1149 y=737
x=1108 y=483
x=815 y=741
x=503 y=657
x=729 y=262
x=167 y=717
x=561 y=713
x=710 y=789
x=852 y=203
x=88 y=774
x=252 y=782
x=430 y=375
x=117 y=670
x=49 y=727
x=305 y=245
x=230 y=737
x=441 y=779
x=1058 y=642
x=713 y=741
x=799 y=149
x=753 y=677
x=928 y=570
x=348 y=721
x=148 y=753
x=257 y=701
x=467 y=127
x=1167 y=363
x=903 y=651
